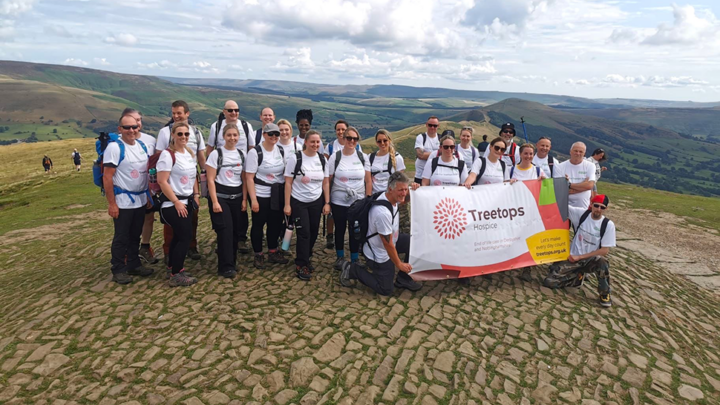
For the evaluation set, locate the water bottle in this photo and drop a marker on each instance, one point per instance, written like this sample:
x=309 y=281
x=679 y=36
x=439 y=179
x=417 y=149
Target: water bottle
x=356 y=230
x=152 y=181
x=288 y=236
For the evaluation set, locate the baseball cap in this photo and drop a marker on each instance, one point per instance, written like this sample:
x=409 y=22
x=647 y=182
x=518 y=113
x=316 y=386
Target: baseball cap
x=507 y=125
x=600 y=199
x=448 y=132
x=270 y=127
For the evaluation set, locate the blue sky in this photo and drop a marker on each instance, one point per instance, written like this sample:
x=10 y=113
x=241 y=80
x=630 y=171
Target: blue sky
x=597 y=49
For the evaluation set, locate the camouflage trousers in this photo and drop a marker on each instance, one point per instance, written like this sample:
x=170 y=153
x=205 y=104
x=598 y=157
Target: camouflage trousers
x=567 y=274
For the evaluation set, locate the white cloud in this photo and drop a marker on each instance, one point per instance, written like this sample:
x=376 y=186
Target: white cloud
x=297 y=60
x=15 y=7
x=122 y=39
x=162 y=65
x=617 y=80
x=101 y=61
x=201 y=64
x=75 y=62
x=688 y=28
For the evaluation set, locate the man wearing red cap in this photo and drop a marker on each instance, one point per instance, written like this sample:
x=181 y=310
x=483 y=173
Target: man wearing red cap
x=594 y=236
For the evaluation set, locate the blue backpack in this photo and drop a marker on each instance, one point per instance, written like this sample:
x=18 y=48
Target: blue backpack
x=101 y=144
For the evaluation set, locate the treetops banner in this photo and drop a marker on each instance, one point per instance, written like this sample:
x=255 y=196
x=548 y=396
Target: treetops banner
x=459 y=233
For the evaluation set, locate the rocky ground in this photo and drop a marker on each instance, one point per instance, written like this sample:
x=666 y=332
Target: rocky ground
x=68 y=335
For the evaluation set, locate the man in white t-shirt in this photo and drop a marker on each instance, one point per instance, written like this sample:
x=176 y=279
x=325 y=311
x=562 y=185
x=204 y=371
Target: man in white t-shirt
x=597 y=156
x=581 y=175
x=267 y=116
x=246 y=141
x=384 y=244
x=196 y=143
x=425 y=144
x=594 y=236
x=512 y=149
x=542 y=158
x=125 y=182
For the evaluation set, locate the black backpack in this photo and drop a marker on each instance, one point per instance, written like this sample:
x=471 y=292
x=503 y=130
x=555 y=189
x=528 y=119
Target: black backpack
x=298 y=164
x=483 y=159
x=220 y=158
x=603 y=226
x=390 y=167
x=218 y=124
x=260 y=154
x=359 y=212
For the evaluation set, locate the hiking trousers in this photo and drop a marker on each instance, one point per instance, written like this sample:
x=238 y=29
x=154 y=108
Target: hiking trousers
x=306 y=217
x=125 y=248
x=227 y=227
x=168 y=233
x=340 y=214
x=181 y=235
x=265 y=216
x=599 y=265
x=383 y=274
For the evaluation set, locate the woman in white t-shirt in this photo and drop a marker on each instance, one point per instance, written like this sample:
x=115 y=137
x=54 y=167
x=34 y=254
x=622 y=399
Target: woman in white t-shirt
x=286 y=142
x=350 y=178
x=307 y=198
x=490 y=169
x=226 y=198
x=468 y=152
x=176 y=175
x=446 y=169
x=526 y=170
x=384 y=162
x=266 y=184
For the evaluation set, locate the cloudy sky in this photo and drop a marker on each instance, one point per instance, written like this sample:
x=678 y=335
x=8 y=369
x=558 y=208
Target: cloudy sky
x=589 y=48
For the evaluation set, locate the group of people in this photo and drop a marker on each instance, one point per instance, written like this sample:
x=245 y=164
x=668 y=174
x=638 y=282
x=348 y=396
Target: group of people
x=291 y=182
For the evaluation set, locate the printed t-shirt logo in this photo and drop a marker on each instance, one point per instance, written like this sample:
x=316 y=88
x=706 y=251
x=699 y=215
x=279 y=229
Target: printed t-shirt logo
x=437 y=182
x=305 y=180
x=449 y=218
x=270 y=176
x=184 y=179
x=134 y=174
x=344 y=179
x=229 y=174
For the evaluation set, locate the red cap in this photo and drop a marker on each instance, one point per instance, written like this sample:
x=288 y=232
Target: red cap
x=600 y=199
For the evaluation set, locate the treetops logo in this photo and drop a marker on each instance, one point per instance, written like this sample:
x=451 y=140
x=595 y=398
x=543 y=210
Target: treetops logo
x=449 y=218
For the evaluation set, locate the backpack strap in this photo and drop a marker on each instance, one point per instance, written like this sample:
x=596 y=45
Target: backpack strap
x=338 y=156
x=551 y=164
x=322 y=161
x=424 y=135
x=330 y=148
x=461 y=166
x=434 y=165
x=220 y=158
x=218 y=124
x=537 y=170
x=583 y=217
x=260 y=154
x=247 y=131
x=141 y=144
x=198 y=135
x=361 y=157
x=513 y=147
x=474 y=155
x=298 y=165
x=483 y=165
x=121 y=145
x=512 y=171
x=382 y=203
x=258 y=136
x=603 y=228
x=502 y=164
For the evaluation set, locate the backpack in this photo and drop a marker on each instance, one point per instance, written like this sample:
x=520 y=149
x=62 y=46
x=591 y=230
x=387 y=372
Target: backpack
x=338 y=157
x=359 y=216
x=483 y=159
x=390 y=165
x=436 y=163
x=260 y=154
x=258 y=136
x=46 y=161
x=537 y=171
x=152 y=165
x=603 y=226
x=100 y=146
x=511 y=152
x=298 y=164
x=218 y=124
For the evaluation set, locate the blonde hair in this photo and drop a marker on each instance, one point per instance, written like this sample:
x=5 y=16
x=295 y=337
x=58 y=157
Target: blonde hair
x=445 y=138
x=391 y=145
x=285 y=122
x=180 y=124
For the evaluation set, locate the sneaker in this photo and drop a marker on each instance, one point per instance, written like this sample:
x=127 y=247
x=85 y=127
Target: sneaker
x=193 y=254
x=303 y=273
x=345 y=279
x=141 y=271
x=339 y=263
x=146 y=254
x=259 y=261
x=525 y=275
x=411 y=285
x=182 y=280
x=330 y=238
x=605 y=300
x=228 y=274
x=168 y=273
x=243 y=247
x=277 y=257
x=122 y=278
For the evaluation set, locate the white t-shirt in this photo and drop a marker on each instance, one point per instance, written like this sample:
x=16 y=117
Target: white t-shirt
x=270 y=171
x=577 y=174
x=149 y=142
x=348 y=178
x=182 y=173
x=431 y=144
x=542 y=163
x=438 y=153
x=230 y=174
x=380 y=166
x=242 y=143
x=383 y=222
x=493 y=172
x=527 y=174
x=130 y=174
x=290 y=149
x=72 y=155
x=446 y=174
x=467 y=154
x=587 y=238
x=301 y=142
x=506 y=156
x=307 y=186
x=598 y=168
x=196 y=142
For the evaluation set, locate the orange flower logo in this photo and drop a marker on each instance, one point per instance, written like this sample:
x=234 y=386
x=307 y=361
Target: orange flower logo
x=450 y=218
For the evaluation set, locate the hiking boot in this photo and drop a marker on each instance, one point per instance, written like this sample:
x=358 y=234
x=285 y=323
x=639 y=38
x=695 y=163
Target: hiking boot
x=339 y=263
x=141 y=271
x=168 y=272
x=330 y=238
x=605 y=300
x=181 y=280
x=228 y=274
x=146 y=254
x=277 y=258
x=345 y=279
x=122 y=278
x=411 y=285
x=303 y=273
x=259 y=261
x=525 y=275
x=243 y=247
x=193 y=254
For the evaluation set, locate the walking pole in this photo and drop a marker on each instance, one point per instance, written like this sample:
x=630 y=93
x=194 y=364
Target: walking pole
x=522 y=120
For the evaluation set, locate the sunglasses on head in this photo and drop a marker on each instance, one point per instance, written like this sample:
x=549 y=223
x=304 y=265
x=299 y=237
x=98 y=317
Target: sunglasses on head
x=128 y=127
x=446 y=147
x=499 y=149
x=232 y=110
x=352 y=138
x=182 y=134
x=602 y=207
x=433 y=125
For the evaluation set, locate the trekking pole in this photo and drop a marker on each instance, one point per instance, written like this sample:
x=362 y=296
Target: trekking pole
x=522 y=120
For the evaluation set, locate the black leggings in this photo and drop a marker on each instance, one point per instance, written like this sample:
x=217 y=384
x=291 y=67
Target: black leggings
x=126 y=242
x=340 y=214
x=272 y=218
x=383 y=274
x=227 y=226
x=182 y=235
x=306 y=217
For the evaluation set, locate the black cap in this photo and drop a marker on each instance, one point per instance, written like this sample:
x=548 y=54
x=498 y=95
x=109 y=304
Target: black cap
x=599 y=151
x=507 y=125
x=448 y=132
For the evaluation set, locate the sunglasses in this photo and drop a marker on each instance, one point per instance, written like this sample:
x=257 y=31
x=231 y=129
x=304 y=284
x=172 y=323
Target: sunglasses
x=352 y=138
x=275 y=134
x=182 y=134
x=433 y=125
x=499 y=149
x=128 y=127
x=232 y=110
x=446 y=147
x=382 y=141
x=602 y=207
x=508 y=131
